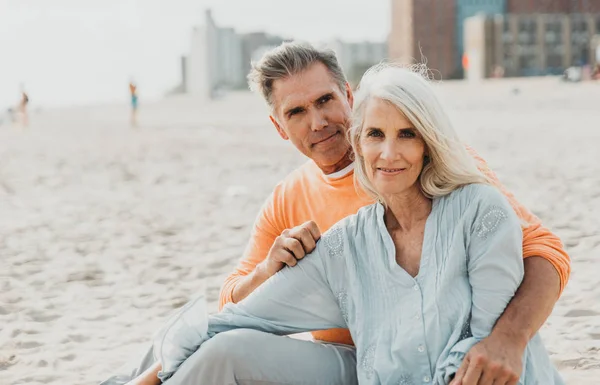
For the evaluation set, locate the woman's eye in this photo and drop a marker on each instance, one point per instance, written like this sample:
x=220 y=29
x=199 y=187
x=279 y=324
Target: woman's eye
x=407 y=134
x=375 y=134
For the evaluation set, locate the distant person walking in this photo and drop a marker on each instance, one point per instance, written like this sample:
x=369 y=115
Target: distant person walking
x=22 y=108
x=134 y=103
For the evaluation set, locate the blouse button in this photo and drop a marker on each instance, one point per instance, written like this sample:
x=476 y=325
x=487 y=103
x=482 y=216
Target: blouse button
x=416 y=288
x=421 y=348
x=426 y=378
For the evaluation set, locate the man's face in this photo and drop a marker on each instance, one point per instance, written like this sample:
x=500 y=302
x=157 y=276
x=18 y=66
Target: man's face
x=312 y=112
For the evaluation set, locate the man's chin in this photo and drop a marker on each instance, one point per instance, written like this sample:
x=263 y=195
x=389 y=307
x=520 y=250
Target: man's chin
x=335 y=163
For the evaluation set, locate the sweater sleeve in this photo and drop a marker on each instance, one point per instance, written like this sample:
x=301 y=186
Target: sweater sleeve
x=267 y=228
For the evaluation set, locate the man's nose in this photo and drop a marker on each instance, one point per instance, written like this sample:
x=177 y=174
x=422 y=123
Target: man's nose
x=317 y=121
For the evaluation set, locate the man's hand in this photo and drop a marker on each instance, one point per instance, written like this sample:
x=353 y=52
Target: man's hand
x=290 y=247
x=493 y=361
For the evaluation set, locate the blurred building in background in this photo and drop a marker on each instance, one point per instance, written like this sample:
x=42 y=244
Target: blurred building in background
x=424 y=28
x=254 y=45
x=220 y=58
x=435 y=30
x=356 y=58
x=552 y=6
x=530 y=44
x=215 y=60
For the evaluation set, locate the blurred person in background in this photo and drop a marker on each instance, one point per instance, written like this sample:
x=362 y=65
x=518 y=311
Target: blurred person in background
x=133 y=93
x=23 y=107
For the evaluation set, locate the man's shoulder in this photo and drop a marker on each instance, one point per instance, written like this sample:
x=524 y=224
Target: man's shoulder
x=305 y=175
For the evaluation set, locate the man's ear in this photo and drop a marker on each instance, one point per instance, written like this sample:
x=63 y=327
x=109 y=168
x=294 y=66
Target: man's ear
x=282 y=133
x=349 y=95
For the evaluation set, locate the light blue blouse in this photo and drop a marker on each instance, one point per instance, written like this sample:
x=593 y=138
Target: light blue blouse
x=406 y=330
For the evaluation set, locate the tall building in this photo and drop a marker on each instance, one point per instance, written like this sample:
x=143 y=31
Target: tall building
x=432 y=30
x=469 y=8
x=424 y=29
x=215 y=59
x=253 y=45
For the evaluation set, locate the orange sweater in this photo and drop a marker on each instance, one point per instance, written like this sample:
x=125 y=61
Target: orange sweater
x=306 y=194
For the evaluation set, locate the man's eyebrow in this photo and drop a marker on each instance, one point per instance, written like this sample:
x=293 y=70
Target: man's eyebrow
x=328 y=94
x=293 y=109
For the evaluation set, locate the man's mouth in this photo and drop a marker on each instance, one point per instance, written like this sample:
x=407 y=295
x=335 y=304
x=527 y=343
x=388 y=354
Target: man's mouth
x=326 y=139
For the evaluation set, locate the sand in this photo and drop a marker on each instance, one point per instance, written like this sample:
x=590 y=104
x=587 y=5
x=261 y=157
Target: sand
x=104 y=229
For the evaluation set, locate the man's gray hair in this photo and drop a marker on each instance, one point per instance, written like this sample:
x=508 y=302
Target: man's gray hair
x=289 y=59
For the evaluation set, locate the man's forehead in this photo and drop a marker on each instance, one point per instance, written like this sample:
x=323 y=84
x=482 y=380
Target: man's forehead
x=304 y=87
x=306 y=95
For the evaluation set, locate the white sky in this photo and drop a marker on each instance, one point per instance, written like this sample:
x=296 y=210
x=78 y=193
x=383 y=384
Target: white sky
x=85 y=51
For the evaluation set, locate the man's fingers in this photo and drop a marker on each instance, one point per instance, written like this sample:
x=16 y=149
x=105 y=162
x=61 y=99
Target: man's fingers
x=287 y=258
x=474 y=372
x=513 y=379
x=307 y=240
x=489 y=375
x=303 y=235
x=312 y=227
x=295 y=247
x=460 y=374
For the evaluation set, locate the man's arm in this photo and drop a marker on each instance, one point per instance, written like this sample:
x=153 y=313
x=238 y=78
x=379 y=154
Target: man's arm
x=290 y=247
x=271 y=247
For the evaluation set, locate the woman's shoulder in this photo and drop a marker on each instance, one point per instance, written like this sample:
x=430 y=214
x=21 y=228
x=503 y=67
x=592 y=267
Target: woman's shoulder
x=475 y=193
x=473 y=201
x=354 y=226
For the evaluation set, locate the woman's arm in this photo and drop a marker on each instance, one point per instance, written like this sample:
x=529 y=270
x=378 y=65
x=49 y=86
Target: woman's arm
x=495 y=268
x=294 y=300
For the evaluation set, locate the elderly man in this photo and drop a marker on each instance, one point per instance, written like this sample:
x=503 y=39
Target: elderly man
x=311 y=102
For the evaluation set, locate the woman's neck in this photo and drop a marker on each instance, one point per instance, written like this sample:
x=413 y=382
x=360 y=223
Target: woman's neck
x=406 y=210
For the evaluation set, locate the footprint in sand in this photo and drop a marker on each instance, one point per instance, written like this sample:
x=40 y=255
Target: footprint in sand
x=69 y=357
x=28 y=344
x=219 y=263
x=581 y=313
x=42 y=317
x=78 y=337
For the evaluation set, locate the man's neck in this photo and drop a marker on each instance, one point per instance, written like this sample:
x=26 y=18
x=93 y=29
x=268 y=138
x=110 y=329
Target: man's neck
x=342 y=164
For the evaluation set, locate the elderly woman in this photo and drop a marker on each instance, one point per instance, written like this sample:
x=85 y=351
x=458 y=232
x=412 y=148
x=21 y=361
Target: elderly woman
x=418 y=277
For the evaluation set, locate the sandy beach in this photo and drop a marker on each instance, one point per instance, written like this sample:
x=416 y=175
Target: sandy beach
x=105 y=229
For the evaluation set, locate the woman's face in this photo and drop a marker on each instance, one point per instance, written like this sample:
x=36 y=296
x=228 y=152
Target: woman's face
x=392 y=149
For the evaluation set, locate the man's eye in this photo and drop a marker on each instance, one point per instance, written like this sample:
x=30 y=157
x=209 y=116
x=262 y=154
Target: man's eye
x=325 y=99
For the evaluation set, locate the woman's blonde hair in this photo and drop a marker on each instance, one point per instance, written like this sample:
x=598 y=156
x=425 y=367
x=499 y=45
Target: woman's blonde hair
x=448 y=165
